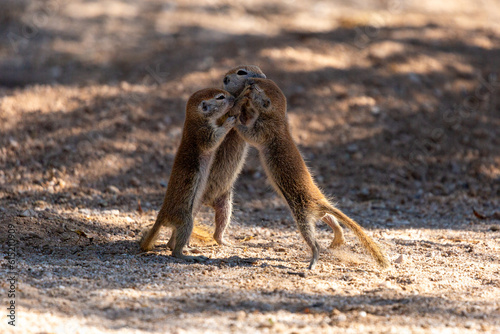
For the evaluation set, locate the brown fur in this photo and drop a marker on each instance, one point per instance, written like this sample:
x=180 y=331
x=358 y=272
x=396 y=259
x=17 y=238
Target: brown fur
x=228 y=161
x=264 y=125
x=200 y=138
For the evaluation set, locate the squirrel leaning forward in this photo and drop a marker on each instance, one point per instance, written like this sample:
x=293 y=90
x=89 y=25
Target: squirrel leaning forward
x=263 y=123
x=208 y=121
x=228 y=161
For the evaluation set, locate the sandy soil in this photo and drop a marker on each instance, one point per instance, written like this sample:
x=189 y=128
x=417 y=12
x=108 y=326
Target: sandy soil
x=394 y=105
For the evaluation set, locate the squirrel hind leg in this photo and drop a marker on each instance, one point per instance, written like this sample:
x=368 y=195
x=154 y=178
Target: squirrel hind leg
x=307 y=229
x=223 y=207
x=182 y=235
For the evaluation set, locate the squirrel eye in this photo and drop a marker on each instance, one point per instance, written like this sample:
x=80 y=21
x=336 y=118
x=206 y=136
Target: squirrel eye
x=242 y=72
x=220 y=97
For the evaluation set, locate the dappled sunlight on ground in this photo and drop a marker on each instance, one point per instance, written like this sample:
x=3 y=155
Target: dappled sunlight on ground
x=394 y=106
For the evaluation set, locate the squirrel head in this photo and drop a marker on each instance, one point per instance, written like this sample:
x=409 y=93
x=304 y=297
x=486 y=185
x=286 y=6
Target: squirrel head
x=234 y=80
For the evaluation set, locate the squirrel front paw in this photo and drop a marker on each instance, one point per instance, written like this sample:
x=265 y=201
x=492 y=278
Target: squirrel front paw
x=230 y=122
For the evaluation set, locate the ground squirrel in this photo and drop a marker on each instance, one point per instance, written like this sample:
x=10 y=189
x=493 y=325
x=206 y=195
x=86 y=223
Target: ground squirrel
x=207 y=123
x=228 y=161
x=263 y=124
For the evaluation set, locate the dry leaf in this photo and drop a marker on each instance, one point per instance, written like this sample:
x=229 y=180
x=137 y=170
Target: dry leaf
x=478 y=215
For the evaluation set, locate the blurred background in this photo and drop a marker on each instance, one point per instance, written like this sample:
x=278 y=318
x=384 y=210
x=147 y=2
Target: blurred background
x=388 y=100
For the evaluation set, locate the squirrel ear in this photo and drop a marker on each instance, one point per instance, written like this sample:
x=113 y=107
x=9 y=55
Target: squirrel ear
x=266 y=103
x=204 y=106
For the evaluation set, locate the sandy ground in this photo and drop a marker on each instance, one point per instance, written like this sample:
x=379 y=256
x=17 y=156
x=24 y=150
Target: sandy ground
x=394 y=105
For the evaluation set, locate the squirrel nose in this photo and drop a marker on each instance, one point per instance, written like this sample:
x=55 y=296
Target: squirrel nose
x=226 y=80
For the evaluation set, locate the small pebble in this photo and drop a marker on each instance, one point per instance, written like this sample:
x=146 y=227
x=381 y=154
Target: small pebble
x=113 y=212
x=351 y=148
x=375 y=110
x=336 y=312
x=167 y=120
x=85 y=211
x=362 y=314
x=358 y=155
x=28 y=213
x=113 y=189
x=341 y=317
x=400 y=259
x=300 y=274
x=385 y=284
x=414 y=77
x=469 y=325
x=135 y=182
x=13 y=143
x=241 y=315
x=402 y=222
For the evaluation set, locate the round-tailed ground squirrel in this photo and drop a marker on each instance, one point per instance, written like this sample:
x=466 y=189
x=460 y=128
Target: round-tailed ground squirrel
x=263 y=124
x=207 y=123
x=228 y=161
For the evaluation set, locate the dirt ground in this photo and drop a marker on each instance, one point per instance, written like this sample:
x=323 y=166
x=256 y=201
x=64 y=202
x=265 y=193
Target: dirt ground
x=394 y=104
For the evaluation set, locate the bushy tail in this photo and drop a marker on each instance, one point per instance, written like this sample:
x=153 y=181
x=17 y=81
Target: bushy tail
x=202 y=236
x=367 y=242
